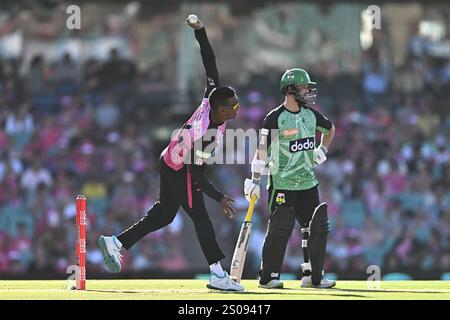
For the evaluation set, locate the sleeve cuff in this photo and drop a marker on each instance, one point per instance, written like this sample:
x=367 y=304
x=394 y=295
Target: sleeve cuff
x=218 y=196
x=323 y=130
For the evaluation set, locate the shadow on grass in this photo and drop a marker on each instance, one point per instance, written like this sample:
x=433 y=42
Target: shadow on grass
x=286 y=291
x=387 y=290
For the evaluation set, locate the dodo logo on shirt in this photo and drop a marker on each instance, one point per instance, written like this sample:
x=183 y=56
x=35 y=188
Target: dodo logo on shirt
x=301 y=144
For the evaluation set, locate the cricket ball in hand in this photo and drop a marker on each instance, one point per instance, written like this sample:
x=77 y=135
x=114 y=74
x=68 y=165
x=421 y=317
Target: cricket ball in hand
x=192 y=18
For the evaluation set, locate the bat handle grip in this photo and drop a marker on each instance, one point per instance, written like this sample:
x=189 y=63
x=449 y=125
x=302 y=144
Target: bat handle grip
x=248 y=216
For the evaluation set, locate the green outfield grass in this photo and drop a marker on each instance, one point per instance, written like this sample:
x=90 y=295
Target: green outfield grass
x=196 y=290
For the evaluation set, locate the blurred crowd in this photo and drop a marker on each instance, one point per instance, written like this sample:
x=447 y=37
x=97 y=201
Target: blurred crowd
x=97 y=127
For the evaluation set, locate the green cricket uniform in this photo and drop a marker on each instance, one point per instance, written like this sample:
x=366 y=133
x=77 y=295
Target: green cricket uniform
x=292 y=184
x=292 y=158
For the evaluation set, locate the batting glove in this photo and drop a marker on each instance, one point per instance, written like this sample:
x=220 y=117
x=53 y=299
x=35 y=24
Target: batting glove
x=319 y=155
x=251 y=189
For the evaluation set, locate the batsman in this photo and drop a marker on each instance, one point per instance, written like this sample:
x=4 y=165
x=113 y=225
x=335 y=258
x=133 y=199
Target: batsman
x=288 y=154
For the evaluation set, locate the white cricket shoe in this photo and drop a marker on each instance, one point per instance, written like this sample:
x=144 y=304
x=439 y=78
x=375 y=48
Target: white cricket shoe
x=224 y=283
x=272 y=284
x=110 y=247
x=324 y=283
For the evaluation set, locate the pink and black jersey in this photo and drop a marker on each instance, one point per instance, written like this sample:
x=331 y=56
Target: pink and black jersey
x=186 y=149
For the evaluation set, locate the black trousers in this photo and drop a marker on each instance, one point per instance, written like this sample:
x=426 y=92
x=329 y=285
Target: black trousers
x=304 y=202
x=176 y=188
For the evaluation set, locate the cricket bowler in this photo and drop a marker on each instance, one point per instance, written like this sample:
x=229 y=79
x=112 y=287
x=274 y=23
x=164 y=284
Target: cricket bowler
x=182 y=178
x=292 y=184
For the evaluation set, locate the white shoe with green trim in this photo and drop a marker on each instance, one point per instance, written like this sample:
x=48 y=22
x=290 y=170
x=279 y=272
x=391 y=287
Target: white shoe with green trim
x=324 y=283
x=224 y=283
x=110 y=248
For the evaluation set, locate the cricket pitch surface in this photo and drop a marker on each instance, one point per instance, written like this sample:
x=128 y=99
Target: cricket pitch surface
x=182 y=289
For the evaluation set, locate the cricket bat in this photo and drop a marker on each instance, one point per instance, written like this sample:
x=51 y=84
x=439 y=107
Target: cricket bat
x=240 y=251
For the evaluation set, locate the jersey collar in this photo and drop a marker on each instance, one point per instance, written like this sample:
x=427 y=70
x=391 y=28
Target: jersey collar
x=296 y=112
